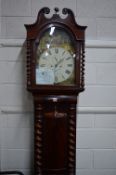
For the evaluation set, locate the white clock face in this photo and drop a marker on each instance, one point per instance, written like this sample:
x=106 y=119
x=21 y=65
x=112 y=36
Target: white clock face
x=56 y=65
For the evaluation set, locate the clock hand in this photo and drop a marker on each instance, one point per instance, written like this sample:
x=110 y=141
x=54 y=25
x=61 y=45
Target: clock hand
x=59 y=62
x=55 y=58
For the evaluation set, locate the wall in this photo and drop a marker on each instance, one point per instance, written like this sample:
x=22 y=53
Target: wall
x=96 y=124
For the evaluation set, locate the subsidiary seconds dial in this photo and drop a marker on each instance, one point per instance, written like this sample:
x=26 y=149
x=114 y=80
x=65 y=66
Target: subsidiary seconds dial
x=57 y=65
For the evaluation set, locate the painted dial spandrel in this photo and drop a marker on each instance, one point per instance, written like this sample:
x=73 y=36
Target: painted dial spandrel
x=55 y=58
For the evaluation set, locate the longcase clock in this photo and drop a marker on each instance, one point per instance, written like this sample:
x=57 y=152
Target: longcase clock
x=55 y=77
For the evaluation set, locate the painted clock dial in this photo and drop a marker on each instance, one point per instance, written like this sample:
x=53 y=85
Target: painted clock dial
x=55 y=61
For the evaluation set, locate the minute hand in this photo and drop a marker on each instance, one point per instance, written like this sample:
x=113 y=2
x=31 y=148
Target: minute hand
x=59 y=62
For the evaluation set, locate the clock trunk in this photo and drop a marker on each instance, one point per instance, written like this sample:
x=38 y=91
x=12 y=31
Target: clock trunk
x=55 y=135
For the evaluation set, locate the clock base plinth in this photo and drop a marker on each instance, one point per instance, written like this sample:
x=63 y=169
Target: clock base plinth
x=55 y=135
x=55 y=172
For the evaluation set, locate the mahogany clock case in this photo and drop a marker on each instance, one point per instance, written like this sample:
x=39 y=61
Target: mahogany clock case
x=55 y=103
